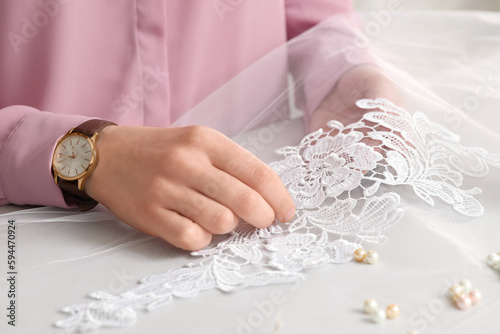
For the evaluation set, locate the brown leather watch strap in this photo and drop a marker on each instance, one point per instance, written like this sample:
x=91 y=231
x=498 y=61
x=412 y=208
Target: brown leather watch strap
x=92 y=126
x=71 y=193
x=74 y=196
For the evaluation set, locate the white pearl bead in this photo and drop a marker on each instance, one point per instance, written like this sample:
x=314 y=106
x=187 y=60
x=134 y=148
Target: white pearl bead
x=467 y=286
x=493 y=260
x=455 y=290
x=370 y=305
x=378 y=316
x=372 y=257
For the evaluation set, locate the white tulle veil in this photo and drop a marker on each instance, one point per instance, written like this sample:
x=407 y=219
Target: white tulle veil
x=447 y=69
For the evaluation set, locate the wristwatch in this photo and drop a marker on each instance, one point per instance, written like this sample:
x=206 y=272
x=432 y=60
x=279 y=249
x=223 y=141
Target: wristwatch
x=74 y=159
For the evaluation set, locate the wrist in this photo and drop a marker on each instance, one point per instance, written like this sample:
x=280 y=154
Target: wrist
x=74 y=160
x=104 y=145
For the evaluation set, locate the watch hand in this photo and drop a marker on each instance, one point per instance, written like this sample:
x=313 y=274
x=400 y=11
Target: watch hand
x=63 y=159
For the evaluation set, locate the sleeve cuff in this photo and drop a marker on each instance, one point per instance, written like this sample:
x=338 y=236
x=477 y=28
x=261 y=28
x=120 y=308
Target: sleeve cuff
x=26 y=157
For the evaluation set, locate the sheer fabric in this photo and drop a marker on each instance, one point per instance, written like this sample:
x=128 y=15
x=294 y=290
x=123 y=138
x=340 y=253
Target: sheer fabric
x=432 y=158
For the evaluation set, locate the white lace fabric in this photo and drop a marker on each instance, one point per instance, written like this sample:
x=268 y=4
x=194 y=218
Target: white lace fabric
x=345 y=195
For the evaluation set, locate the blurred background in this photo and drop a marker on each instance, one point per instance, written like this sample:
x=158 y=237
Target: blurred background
x=367 y=5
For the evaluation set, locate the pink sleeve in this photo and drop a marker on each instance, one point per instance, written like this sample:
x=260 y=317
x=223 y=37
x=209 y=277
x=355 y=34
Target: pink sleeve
x=302 y=15
x=27 y=140
x=329 y=50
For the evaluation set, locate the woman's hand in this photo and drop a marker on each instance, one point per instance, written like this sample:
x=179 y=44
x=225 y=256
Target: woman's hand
x=360 y=82
x=184 y=184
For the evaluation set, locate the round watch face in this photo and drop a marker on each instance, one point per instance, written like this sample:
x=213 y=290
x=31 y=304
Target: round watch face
x=72 y=156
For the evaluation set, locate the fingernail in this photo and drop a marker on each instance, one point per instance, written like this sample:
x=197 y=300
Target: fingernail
x=289 y=215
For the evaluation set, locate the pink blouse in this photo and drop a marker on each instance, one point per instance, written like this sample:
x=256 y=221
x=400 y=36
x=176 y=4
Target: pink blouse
x=134 y=62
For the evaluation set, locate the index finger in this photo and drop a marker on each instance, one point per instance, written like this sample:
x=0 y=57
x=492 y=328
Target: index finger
x=246 y=167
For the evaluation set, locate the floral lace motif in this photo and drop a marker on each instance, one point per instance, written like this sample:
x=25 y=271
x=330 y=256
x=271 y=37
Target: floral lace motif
x=342 y=183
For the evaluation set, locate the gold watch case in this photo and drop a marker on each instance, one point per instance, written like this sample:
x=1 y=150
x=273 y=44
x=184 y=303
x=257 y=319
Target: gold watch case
x=87 y=170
